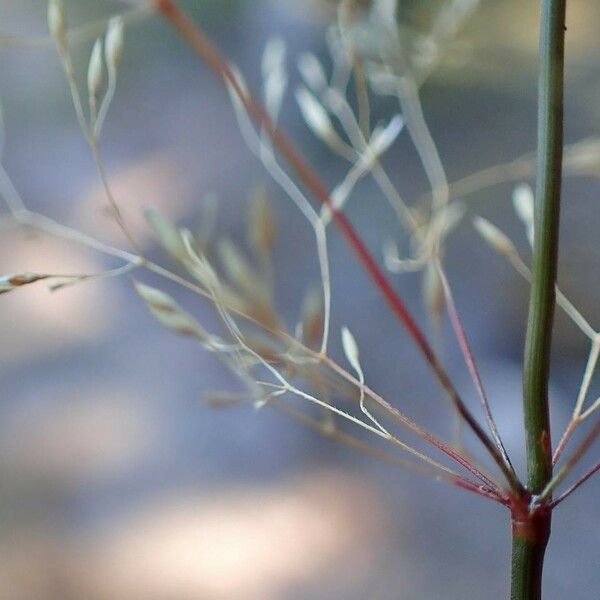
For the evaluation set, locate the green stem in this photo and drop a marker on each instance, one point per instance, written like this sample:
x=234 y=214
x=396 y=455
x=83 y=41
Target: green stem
x=545 y=250
x=530 y=538
x=531 y=527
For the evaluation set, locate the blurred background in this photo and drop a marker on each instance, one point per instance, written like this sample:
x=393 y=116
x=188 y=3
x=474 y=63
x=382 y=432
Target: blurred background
x=117 y=481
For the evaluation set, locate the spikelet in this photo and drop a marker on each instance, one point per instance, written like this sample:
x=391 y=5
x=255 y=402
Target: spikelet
x=113 y=45
x=94 y=73
x=8 y=283
x=58 y=26
x=498 y=240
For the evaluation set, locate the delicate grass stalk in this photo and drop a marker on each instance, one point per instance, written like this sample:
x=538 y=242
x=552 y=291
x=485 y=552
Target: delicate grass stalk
x=587 y=376
x=78 y=35
x=575 y=486
x=579 y=415
x=580 y=159
x=90 y=131
x=340 y=107
x=379 y=454
x=199 y=42
x=531 y=527
x=502 y=244
x=585 y=445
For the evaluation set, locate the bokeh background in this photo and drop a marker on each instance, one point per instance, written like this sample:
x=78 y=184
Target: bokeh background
x=116 y=480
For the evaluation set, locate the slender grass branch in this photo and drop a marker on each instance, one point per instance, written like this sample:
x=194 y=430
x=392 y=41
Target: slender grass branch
x=199 y=42
x=575 y=486
x=585 y=445
x=26 y=217
x=379 y=454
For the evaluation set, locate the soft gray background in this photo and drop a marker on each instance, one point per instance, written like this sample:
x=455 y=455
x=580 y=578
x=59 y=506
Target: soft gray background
x=117 y=482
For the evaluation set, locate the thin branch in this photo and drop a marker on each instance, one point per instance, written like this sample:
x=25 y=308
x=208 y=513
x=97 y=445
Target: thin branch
x=580 y=158
x=587 y=376
x=575 y=486
x=579 y=416
x=408 y=423
x=561 y=300
x=585 y=445
x=90 y=132
x=379 y=454
x=463 y=342
x=565 y=438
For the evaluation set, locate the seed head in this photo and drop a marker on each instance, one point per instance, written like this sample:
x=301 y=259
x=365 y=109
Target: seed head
x=57 y=24
x=94 y=74
x=113 y=45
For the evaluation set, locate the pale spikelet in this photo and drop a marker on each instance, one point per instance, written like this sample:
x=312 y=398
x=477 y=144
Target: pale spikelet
x=168 y=312
x=57 y=24
x=314 y=114
x=351 y=349
x=273 y=56
x=312 y=72
x=274 y=75
x=94 y=73
x=523 y=202
x=167 y=234
x=113 y=45
x=275 y=87
x=199 y=266
x=262 y=228
x=239 y=272
x=8 y=283
x=498 y=240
